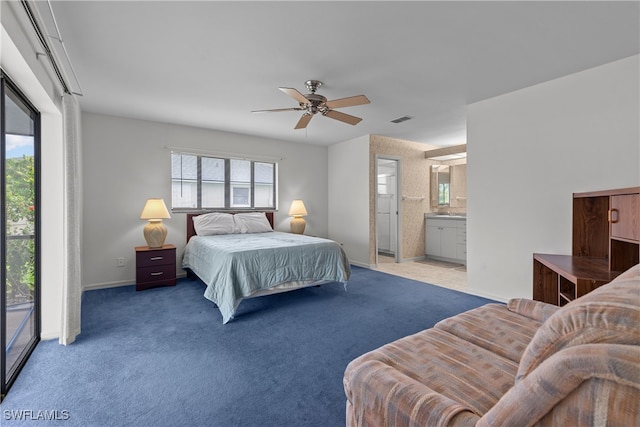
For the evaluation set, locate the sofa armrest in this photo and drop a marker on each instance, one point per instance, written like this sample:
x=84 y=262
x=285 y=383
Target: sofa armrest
x=379 y=395
x=573 y=387
x=535 y=310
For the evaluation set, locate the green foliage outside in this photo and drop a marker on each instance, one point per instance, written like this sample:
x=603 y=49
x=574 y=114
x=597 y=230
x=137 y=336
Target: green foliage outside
x=443 y=194
x=20 y=214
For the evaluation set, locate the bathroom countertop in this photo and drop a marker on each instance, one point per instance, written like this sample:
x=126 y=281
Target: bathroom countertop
x=432 y=215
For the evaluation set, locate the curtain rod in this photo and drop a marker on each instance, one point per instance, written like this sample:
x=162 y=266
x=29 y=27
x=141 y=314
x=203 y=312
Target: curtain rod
x=64 y=48
x=45 y=45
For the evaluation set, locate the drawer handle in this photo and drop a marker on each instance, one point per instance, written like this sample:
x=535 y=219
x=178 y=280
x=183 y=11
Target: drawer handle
x=159 y=273
x=613 y=220
x=156 y=258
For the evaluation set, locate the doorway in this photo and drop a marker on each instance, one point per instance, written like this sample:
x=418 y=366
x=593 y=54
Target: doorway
x=387 y=207
x=19 y=231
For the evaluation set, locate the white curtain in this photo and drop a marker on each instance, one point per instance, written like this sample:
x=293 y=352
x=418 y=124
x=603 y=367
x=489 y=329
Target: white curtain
x=72 y=285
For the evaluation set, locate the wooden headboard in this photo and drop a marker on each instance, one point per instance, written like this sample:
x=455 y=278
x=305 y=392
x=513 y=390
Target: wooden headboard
x=191 y=231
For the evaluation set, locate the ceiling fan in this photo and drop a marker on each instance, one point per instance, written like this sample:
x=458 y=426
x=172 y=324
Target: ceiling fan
x=313 y=103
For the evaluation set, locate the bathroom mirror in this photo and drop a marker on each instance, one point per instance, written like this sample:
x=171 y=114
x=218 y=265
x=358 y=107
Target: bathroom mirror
x=441 y=185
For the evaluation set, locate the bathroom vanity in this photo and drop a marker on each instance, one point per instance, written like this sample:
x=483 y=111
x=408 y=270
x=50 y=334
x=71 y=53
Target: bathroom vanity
x=446 y=238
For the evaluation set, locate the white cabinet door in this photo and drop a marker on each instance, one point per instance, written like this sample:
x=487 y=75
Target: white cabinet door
x=448 y=244
x=432 y=240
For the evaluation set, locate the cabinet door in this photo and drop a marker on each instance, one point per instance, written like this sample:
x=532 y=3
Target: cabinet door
x=448 y=242
x=625 y=216
x=432 y=240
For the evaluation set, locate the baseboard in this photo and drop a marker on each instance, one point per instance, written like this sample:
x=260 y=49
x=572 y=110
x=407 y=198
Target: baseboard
x=118 y=283
x=106 y=285
x=485 y=295
x=49 y=335
x=361 y=264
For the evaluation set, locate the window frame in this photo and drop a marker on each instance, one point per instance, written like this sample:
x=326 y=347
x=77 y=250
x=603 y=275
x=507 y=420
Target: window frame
x=228 y=184
x=7 y=378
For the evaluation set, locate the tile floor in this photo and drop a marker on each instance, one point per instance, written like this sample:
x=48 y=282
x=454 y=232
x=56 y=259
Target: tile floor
x=439 y=273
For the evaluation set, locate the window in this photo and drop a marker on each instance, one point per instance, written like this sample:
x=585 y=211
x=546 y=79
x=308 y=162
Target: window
x=205 y=182
x=443 y=193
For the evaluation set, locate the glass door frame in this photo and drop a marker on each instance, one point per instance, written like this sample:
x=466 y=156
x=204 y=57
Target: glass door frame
x=7 y=379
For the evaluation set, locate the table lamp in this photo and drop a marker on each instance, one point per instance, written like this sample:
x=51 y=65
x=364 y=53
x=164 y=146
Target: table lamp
x=297 y=211
x=155 y=231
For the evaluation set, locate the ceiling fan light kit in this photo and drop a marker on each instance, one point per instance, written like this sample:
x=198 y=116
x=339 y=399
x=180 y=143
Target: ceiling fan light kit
x=313 y=103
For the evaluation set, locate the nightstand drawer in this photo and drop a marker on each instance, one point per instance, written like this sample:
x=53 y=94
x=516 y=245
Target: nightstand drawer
x=152 y=258
x=156 y=273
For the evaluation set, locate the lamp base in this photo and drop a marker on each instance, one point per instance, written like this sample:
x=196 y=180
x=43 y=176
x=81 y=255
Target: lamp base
x=154 y=233
x=297 y=225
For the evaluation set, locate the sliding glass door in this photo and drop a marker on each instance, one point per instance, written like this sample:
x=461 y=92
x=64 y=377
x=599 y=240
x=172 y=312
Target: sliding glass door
x=19 y=211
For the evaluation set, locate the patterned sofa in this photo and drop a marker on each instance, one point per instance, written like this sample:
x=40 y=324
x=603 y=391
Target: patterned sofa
x=521 y=364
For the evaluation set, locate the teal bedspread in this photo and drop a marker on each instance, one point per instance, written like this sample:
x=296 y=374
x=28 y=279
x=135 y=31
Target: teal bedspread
x=236 y=266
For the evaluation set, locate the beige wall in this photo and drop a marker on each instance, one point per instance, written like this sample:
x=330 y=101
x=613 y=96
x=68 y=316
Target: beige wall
x=415 y=182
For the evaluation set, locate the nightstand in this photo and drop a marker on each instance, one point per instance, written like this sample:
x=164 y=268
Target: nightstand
x=155 y=267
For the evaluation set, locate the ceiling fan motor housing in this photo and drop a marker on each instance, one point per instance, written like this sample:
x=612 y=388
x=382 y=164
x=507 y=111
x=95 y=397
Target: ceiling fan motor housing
x=315 y=104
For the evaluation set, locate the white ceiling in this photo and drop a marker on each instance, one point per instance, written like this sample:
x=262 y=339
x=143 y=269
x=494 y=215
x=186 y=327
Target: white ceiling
x=209 y=63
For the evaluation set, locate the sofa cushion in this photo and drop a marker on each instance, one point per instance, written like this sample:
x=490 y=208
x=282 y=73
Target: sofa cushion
x=536 y=310
x=609 y=314
x=474 y=376
x=493 y=328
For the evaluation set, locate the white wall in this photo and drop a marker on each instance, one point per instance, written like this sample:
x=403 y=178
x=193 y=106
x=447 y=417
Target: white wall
x=349 y=198
x=528 y=151
x=19 y=60
x=125 y=161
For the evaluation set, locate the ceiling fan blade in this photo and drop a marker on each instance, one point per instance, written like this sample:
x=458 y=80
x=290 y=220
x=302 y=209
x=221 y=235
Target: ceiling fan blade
x=346 y=118
x=277 y=110
x=295 y=94
x=348 y=102
x=304 y=121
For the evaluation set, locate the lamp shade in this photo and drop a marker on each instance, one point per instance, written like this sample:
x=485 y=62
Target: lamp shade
x=155 y=209
x=297 y=209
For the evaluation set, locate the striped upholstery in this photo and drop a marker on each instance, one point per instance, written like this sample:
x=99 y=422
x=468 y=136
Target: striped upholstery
x=524 y=363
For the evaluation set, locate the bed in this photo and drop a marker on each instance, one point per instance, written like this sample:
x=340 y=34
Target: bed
x=239 y=255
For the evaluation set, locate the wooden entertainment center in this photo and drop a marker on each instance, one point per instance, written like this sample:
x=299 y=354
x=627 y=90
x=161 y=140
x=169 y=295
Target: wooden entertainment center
x=605 y=242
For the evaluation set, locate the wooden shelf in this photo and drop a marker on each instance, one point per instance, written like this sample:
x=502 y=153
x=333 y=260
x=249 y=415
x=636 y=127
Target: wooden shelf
x=559 y=279
x=578 y=268
x=605 y=242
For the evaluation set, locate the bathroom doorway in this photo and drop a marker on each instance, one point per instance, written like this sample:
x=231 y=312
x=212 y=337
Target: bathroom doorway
x=387 y=207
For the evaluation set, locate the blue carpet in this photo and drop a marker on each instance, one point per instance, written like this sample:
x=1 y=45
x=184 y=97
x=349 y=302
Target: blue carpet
x=162 y=357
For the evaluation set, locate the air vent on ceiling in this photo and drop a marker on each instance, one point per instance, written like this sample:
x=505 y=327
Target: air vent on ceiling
x=401 y=119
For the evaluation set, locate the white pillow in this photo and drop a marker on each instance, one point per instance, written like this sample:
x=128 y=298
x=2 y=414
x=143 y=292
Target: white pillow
x=214 y=223
x=253 y=222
